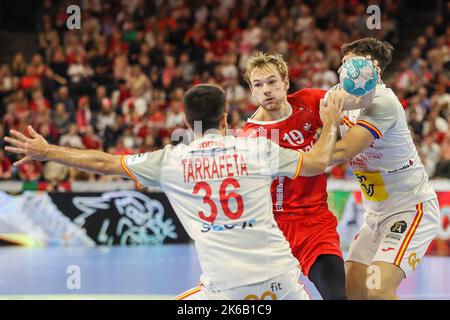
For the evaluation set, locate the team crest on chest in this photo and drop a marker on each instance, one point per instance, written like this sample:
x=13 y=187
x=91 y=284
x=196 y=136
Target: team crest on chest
x=307 y=127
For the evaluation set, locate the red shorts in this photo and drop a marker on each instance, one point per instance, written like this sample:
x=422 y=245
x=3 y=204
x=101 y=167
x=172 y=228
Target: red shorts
x=311 y=236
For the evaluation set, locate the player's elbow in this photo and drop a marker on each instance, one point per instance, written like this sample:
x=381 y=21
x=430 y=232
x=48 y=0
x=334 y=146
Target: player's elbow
x=110 y=165
x=321 y=165
x=315 y=166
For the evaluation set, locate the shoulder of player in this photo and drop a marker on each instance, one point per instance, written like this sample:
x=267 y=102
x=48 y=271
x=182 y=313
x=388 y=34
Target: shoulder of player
x=249 y=125
x=170 y=149
x=383 y=103
x=306 y=99
x=157 y=157
x=307 y=93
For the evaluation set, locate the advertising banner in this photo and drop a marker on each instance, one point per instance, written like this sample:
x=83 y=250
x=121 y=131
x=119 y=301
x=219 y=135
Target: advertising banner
x=110 y=218
x=134 y=218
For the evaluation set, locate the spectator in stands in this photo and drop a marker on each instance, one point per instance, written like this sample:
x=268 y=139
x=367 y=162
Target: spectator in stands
x=5 y=166
x=18 y=65
x=49 y=132
x=61 y=119
x=100 y=94
x=30 y=171
x=63 y=97
x=133 y=60
x=90 y=140
x=106 y=118
x=47 y=37
x=430 y=153
x=6 y=80
x=71 y=138
x=80 y=74
x=38 y=101
x=55 y=173
x=84 y=117
x=443 y=166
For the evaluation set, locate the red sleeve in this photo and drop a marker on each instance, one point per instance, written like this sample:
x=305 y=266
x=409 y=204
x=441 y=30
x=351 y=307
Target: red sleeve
x=247 y=130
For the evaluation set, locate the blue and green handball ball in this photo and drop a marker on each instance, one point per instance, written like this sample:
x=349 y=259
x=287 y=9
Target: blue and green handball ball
x=358 y=76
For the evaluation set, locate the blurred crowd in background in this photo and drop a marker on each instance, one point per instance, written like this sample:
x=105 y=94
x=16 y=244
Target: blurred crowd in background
x=117 y=84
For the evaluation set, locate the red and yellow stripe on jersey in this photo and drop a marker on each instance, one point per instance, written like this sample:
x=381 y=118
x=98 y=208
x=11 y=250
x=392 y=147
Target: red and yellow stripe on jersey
x=409 y=235
x=129 y=173
x=347 y=122
x=188 y=293
x=299 y=165
x=373 y=130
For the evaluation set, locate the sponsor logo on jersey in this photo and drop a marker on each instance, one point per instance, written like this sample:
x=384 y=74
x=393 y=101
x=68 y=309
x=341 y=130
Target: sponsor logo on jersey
x=356 y=162
x=215 y=227
x=362 y=158
x=399 y=227
x=280 y=194
x=406 y=166
x=387 y=249
x=372 y=185
x=210 y=143
x=371 y=155
x=367 y=188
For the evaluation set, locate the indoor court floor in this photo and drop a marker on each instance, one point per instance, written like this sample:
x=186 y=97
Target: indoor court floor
x=160 y=272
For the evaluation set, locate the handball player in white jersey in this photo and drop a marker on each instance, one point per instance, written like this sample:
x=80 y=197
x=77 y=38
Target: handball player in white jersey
x=402 y=213
x=219 y=187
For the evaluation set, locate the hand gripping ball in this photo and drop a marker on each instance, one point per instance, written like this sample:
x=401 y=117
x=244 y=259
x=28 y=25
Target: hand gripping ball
x=358 y=76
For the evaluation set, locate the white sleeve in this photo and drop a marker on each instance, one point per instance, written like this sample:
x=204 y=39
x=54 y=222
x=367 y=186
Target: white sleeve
x=379 y=117
x=145 y=168
x=283 y=161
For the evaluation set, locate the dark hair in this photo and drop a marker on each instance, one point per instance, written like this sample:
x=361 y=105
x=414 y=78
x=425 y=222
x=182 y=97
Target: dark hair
x=205 y=103
x=379 y=50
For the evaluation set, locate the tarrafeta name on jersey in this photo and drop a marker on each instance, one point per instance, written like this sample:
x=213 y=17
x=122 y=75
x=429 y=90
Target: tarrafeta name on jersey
x=208 y=168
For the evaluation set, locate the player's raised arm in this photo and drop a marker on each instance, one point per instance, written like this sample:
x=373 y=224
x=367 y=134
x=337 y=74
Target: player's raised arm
x=37 y=148
x=354 y=142
x=316 y=161
x=371 y=124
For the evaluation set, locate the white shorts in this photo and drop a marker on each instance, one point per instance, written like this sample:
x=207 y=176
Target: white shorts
x=284 y=287
x=401 y=238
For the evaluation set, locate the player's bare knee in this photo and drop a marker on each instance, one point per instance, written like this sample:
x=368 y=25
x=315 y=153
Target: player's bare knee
x=381 y=294
x=354 y=291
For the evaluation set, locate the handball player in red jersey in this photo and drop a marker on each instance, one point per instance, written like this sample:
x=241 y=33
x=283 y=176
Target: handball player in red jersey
x=300 y=205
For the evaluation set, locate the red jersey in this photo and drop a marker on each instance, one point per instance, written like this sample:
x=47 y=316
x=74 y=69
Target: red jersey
x=298 y=131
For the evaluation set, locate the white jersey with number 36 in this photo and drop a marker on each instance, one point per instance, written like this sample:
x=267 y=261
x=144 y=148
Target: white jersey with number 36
x=390 y=172
x=219 y=188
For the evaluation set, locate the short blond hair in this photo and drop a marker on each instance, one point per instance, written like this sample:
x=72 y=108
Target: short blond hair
x=262 y=60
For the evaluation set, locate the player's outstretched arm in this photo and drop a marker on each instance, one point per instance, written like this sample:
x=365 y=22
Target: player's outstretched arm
x=316 y=161
x=37 y=148
x=354 y=142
